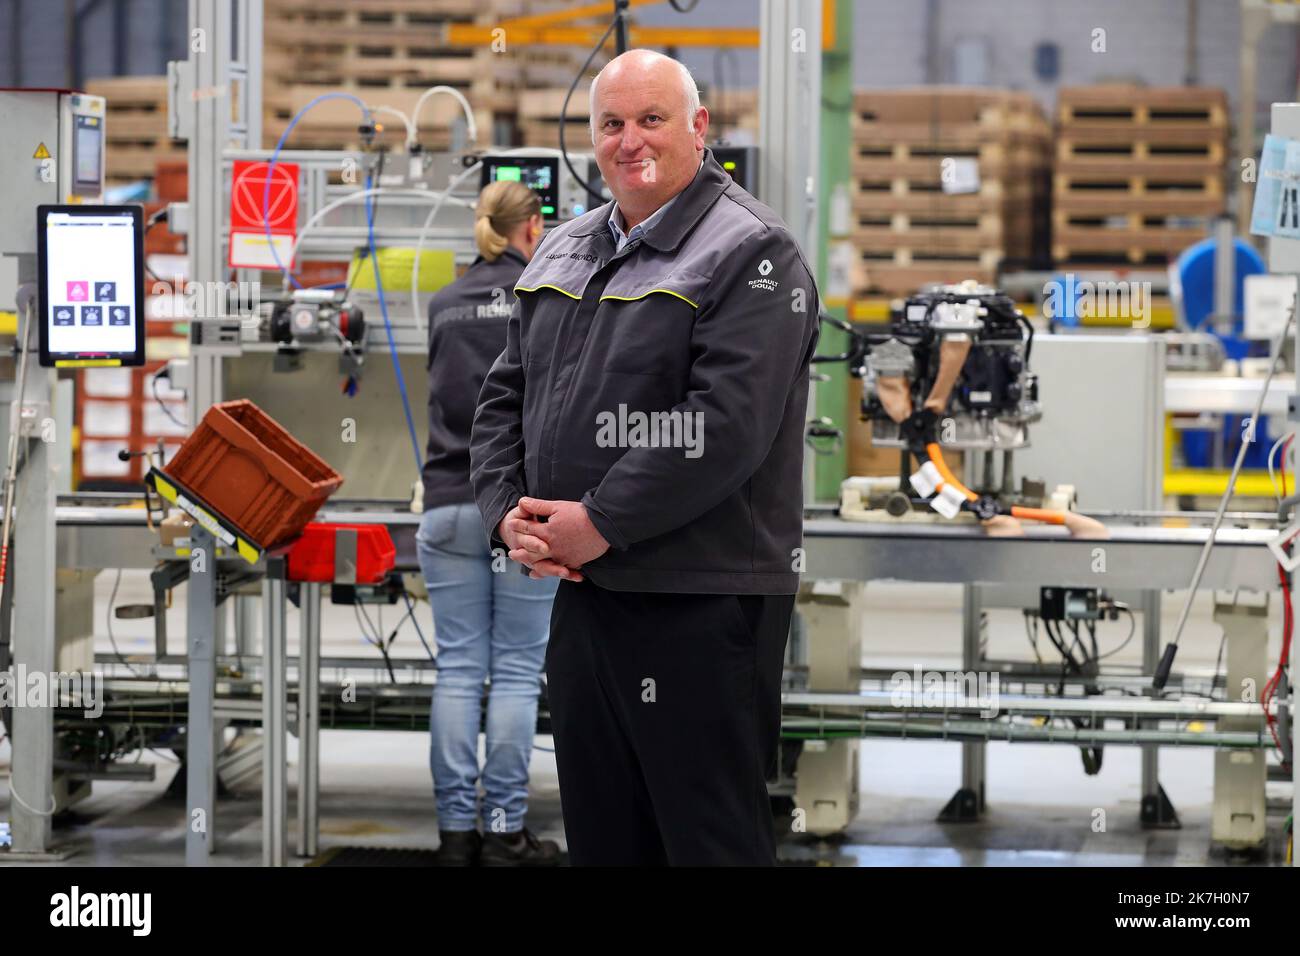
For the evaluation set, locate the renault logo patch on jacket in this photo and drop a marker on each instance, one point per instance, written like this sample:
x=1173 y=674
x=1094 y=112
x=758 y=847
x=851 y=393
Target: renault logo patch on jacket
x=666 y=389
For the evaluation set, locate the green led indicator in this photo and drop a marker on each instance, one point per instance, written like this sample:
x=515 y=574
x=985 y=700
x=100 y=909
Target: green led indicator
x=548 y=209
x=729 y=164
x=509 y=174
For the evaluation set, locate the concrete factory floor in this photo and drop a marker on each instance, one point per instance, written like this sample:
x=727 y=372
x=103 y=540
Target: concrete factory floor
x=376 y=790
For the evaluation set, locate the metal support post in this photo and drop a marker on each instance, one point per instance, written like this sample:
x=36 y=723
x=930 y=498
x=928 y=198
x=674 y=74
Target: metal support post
x=200 y=755
x=274 y=715
x=1157 y=810
x=967 y=803
x=309 y=602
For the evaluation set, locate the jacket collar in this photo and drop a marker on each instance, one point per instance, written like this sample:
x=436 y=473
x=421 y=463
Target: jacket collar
x=510 y=252
x=692 y=203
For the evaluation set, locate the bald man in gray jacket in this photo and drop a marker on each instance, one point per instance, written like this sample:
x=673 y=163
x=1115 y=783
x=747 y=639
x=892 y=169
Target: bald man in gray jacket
x=641 y=438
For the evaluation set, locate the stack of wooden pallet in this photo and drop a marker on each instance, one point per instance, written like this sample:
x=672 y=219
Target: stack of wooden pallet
x=1138 y=172
x=387 y=52
x=136 y=126
x=949 y=184
x=539 y=118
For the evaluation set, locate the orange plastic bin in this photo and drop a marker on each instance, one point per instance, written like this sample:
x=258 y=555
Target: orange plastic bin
x=253 y=473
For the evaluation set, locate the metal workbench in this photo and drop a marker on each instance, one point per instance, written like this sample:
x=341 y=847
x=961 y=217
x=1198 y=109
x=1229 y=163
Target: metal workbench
x=97 y=532
x=1136 y=562
x=1134 y=557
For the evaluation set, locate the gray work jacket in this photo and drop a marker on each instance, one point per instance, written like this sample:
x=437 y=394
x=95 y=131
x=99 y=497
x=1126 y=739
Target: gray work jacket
x=467 y=330
x=666 y=389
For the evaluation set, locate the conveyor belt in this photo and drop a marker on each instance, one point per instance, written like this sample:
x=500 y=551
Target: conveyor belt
x=1134 y=556
x=96 y=531
x=110 y=531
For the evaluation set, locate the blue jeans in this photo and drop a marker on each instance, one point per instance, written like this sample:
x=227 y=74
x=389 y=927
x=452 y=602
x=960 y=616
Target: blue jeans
x=488 y=625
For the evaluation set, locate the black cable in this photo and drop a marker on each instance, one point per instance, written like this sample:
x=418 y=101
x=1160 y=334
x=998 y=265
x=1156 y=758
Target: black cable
x=1218 y=662
x=1059 y=643
x=677 y=5
x=392 y=635
x=1074 y=630
x=410 y=608
x=365 y=635
x=163 y=405
x=564 y=112
x=1031 y=632
x=1091 y=756
x=1092 y=639
x=1067 y=662
x=1214 y=681
x=159 y=216
x=1029 y=336
x=1132 y=628
x=383 y=651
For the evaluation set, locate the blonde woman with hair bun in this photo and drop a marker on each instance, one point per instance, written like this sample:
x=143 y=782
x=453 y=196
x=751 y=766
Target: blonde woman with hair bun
x=508 y=213
x=490 y=628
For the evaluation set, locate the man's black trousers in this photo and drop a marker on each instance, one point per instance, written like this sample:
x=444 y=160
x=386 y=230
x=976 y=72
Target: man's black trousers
x=666 y=710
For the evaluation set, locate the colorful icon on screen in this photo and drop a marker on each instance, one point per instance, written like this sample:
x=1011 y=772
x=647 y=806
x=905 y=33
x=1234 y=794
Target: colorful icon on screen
x=105 y=291
x=92 y=315
x=78 y=291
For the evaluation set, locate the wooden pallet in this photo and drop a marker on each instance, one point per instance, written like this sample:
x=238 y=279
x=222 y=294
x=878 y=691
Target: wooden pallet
x=940 y=146
x=946 y=245
x=892 y=279
x=1203 y=155
x=1169 y=194
x=543 y=105
x=389 y=51
x=995 y=162
x=365 y=68
x=1115 y=106
x=986 y=259
x=945 y=106
x=1138 y=238
x=924 y=193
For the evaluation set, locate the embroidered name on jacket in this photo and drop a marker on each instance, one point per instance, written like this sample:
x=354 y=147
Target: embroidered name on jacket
x=584 y=256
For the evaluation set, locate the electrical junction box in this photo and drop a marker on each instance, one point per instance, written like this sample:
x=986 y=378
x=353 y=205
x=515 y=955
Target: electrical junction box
x=1068 y=604
x=52 y=153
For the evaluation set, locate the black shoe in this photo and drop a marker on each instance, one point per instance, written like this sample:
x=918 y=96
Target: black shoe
x=520 y=848
x=458 y=847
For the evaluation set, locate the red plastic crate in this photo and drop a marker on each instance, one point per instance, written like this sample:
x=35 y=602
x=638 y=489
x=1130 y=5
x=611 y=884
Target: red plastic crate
x=312 y=556
x=253 y=473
